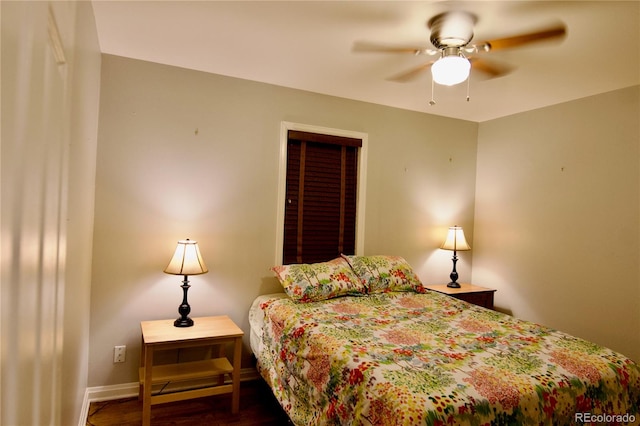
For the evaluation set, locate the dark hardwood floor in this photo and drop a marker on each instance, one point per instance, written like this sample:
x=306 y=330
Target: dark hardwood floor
x=257 y=407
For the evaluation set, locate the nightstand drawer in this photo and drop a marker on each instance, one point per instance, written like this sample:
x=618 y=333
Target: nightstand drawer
x=477 y=295
x=484 y=299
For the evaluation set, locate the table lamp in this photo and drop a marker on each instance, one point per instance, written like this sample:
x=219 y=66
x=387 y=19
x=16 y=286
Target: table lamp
x=455 y=241
x=186 y=261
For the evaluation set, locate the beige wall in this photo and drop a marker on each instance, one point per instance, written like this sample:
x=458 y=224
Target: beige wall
x=557 y=217
x=188 y=154
x=49 y=137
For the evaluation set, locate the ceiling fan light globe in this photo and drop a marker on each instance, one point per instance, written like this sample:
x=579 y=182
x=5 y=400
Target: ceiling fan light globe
x=450 y=70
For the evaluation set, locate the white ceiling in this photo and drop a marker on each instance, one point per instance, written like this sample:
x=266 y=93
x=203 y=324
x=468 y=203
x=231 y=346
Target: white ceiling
x=308 y=45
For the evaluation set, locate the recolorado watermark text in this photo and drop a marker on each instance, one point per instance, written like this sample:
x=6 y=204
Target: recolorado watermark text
x=605 y=418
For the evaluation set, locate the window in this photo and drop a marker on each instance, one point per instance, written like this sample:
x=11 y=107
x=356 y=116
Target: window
x=321 y=196
x=321 y=193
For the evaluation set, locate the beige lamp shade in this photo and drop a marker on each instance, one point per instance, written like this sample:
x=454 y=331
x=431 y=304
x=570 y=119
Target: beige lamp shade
x=455 y=240
x=187 y=260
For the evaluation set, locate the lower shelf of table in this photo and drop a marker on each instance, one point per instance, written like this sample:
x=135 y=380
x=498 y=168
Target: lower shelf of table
x=187 y=371
x=189 y=394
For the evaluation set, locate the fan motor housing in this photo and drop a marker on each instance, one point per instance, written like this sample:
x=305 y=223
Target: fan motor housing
x=451 y=29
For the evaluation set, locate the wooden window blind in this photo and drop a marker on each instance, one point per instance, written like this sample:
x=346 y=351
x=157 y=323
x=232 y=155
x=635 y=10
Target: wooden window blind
x=321 y=196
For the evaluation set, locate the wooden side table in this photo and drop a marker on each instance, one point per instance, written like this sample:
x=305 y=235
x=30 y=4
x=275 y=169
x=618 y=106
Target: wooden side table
x=477 y=295
x=206 y=331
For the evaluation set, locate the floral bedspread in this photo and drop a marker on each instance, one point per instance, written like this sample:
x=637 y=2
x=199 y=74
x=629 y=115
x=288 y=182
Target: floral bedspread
x=405 y=358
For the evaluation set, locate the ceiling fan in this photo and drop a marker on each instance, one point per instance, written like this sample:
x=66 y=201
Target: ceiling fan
x=451 y=35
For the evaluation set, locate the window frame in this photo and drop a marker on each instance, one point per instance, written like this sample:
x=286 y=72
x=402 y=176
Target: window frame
x=285 y=126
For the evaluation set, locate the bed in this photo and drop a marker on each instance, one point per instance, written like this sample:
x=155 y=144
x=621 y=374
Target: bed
x=359 y=341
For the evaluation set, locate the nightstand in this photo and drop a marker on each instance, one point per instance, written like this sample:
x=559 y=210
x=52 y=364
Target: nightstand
x=206 y=331
x=477 y=295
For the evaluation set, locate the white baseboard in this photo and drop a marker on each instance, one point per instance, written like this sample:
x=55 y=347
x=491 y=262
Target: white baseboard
x=106 y=393
x=128 y=390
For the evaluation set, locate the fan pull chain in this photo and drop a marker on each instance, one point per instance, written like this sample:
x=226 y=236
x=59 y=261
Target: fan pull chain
x=468 y=84
x=432 y=102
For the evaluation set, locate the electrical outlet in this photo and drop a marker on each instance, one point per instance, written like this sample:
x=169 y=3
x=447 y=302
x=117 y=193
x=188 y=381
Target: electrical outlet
x=119 y=353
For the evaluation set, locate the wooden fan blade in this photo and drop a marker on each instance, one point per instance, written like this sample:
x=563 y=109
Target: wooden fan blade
x=490 y=69
x=366 y=47
x=555 y=32
x=410 y=74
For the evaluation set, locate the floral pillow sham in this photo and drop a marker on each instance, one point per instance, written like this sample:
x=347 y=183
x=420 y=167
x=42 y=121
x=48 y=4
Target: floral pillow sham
x=319 y=281
x=381 y=274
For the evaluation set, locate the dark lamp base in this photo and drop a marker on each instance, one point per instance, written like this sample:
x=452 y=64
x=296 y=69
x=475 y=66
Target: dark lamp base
x=183 y=322
x=454 y=274
x=184 y=308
